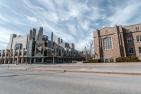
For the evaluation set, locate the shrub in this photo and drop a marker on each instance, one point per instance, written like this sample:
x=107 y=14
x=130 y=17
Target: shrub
x=127 y=59
x=93 y=61
x=85 y=62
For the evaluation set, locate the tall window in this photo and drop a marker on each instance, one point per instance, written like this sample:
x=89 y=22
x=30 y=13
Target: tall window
x=18 y=46
x=139 y=38
x=131 y=50
x=140 y=50
x=107 y=43
x=129 y=40
x=137 y=28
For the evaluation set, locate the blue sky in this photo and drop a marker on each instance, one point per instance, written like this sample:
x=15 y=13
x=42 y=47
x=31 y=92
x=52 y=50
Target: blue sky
x=73 y=20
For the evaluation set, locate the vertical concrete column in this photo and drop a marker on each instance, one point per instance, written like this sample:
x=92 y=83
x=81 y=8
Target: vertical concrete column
x=8 y=55
x=18 y=57
x=62 y=60
x=42 y=59
x=22 y=58
x=30 y=60
x=43 y=55
x=13 y=59
x=5 y=56
x=26 y=60
x=1 y=57
x=17 y=62
x=23 y=52
x=34 y=59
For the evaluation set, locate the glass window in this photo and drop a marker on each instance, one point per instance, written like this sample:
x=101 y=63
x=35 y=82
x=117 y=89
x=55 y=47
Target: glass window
x=137 y=28
x=107 y=43
x=131 y=50
x=111 y=60
x=18 y=46
x=139 y=38
x=106 y=60
x=140 y=50
x=129 y=40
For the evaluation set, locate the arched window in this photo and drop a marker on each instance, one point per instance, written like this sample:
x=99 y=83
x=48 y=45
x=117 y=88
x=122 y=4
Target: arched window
x=18 y=46
x=107 y=43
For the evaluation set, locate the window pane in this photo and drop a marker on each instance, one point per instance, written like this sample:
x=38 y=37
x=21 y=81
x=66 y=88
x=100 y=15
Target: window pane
x=139 y=49
x=138 y=38
x=18 y=46
x=107 y=43
x=131 y=50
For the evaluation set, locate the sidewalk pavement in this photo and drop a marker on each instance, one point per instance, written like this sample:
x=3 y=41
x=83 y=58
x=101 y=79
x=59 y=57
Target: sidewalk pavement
x=102 y=68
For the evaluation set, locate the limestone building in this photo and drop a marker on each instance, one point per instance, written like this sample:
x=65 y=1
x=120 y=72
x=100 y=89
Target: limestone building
x=38 y=48
x=119 y=41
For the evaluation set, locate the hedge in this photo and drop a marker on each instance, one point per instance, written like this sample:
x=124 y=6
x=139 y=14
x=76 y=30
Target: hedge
x=93 y=61
x=127 y=59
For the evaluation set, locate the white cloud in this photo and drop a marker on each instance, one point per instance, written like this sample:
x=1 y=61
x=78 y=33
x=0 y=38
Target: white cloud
x=32 y=19
x=47 y=26
x=50 y=16
x=83 y=43
x=3 y=19
x=63 y=10
x=73 y=20
x=84 y=23
x=5 y=35
x=122 y=15
x=31 y=6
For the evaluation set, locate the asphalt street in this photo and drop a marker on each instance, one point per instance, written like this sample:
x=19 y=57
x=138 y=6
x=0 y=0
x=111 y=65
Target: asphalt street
x=42 y=82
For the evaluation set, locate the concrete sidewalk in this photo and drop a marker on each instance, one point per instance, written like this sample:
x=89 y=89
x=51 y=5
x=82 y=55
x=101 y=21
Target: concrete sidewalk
x=103 y=68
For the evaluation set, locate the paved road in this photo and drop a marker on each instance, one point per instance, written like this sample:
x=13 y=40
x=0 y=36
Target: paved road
x=31 y=82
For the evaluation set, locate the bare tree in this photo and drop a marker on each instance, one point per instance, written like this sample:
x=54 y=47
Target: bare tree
x=89 y=50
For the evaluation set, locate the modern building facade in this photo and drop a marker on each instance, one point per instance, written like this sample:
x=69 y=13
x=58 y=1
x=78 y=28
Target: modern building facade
x=119 y=41
x=37 y=48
